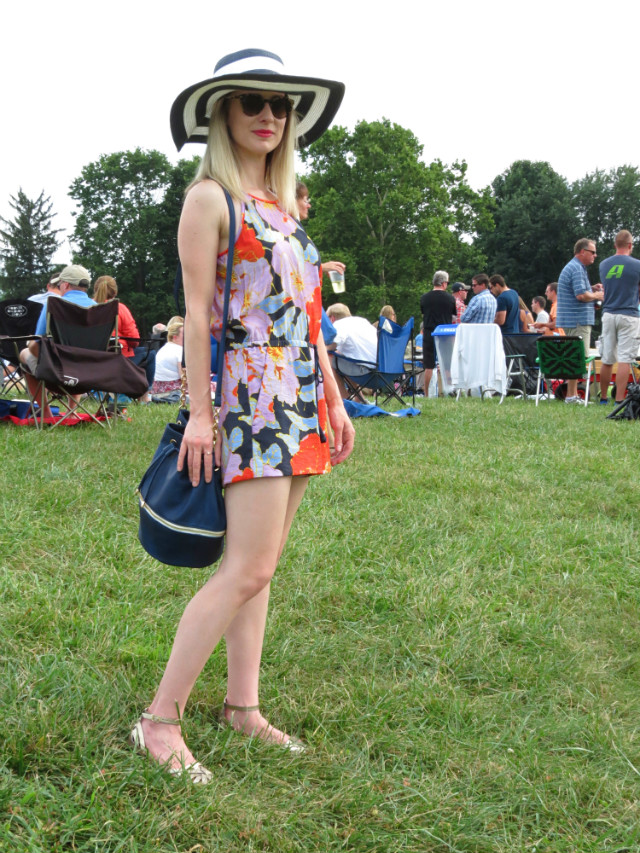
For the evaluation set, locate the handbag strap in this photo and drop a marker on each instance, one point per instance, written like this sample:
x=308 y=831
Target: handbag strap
x=225 y=309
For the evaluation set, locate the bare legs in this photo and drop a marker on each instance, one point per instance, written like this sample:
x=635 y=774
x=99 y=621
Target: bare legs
x=428 y=373
x=234 y=602
x=622 y=378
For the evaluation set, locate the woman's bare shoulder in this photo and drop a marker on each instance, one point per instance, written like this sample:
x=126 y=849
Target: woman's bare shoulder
x=206 y=193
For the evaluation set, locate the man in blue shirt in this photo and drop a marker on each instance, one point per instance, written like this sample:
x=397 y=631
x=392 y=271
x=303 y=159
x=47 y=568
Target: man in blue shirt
x=575 y=312
x=620 y=276
x=74 y=283
x=482 y=308
x=508 y=306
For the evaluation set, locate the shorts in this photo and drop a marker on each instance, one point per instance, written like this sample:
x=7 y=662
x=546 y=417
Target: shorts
x=620 y=338
x=31 y=361
x=583 y=332
x=428 y=351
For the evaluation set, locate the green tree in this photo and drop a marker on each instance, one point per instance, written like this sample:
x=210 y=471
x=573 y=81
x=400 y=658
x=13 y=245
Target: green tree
x=536 y=226
x=27 y=244
x=126 y=224
x=391 y=218
x=606 y=203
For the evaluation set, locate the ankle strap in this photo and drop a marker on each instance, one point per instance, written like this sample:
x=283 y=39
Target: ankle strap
x=155 y=719
x=246 y=708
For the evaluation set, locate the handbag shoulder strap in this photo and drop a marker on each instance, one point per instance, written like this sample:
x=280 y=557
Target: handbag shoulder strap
x=227 y=289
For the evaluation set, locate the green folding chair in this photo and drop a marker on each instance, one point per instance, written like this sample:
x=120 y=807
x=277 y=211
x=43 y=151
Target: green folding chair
x=562 y=357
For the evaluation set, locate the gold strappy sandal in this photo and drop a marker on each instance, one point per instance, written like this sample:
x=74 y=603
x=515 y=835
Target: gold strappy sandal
x=294 y=744
x=198 y=774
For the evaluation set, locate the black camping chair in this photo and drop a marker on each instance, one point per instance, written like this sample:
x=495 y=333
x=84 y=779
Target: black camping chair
x=78 y=356
x=18 y=320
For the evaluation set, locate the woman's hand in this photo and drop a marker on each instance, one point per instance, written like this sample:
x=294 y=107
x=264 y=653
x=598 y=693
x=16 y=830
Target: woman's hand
x=343 y=431
x=196 y=448
x=334 y=266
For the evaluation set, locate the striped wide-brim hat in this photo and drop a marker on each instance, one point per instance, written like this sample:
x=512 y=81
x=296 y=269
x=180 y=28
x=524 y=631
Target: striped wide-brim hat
x=315 y=101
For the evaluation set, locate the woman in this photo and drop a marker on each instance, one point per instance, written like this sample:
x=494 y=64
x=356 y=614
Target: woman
x=272 y=435
x=169 y=359
x=106 y=288
x=526 y=317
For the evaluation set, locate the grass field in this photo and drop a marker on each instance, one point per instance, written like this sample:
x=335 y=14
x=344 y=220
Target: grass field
x=454 y=632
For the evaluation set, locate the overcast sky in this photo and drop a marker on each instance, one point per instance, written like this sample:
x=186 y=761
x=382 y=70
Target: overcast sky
x=488 y=82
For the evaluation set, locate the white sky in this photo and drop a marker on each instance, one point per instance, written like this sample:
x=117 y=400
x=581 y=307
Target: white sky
x=488 y=82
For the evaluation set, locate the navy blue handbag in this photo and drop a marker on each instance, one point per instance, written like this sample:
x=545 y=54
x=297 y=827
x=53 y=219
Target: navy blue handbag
x=180 y=524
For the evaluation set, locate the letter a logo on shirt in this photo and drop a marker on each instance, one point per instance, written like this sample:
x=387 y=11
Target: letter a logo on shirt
x=616 y=271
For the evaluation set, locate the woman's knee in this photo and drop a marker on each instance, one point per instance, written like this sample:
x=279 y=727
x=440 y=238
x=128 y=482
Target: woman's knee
x=248 y=580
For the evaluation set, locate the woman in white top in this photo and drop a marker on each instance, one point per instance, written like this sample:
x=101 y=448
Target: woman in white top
x=169 y=359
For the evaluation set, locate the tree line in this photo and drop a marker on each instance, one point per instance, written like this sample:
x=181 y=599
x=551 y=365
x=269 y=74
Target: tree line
x=376 y=205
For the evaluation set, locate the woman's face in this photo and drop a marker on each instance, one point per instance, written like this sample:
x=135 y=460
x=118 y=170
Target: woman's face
x=258 y=134
x=304 y=205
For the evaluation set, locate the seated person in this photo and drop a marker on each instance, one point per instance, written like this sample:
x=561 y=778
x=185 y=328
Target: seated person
x=526 y=317
x=74 y=284
x=387 y=312
x=538 y=306
x=106 y=288
x=169 y=359
x=356 y=338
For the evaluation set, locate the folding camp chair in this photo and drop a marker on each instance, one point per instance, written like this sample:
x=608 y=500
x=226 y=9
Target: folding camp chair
x=78 y=356
x=18 y=320
x=562 y=357
x=387 y=376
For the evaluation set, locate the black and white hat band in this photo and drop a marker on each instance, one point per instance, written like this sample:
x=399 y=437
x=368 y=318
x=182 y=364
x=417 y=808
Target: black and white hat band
x=316 y=101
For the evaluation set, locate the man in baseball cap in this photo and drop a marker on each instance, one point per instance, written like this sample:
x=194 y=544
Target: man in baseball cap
x=73 y=281
x=460 y=291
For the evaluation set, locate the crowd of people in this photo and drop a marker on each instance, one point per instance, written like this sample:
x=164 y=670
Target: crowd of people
x=566 y=308
x=160 y=355
x=570 y=301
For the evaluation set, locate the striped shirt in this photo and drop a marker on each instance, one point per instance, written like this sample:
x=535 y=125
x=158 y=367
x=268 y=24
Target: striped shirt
x=572 y=281
x=481 y=309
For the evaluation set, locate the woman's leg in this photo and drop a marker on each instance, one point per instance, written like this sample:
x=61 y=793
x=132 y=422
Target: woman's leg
x=250 y=558
x=244 y=638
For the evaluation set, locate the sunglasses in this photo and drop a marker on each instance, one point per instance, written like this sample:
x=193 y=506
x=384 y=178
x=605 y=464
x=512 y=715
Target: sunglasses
x=252 y=104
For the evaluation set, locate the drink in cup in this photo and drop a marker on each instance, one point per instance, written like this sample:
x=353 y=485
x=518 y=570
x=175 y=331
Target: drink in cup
x=337 y=281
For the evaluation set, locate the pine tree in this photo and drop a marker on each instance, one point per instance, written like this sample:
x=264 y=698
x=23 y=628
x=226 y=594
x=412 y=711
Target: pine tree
x=27 y=244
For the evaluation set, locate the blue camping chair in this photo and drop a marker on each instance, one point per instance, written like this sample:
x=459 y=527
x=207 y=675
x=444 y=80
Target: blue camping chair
x=388 y=376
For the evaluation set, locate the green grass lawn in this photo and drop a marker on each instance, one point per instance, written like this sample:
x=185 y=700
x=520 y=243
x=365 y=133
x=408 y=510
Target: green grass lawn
x=454 y=632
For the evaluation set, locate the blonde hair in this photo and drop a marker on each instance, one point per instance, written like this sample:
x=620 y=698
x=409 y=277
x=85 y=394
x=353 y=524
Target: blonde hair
x=173 y=327
x=338 y=311
x=220 y=162
x=105 y=288
x=388 y=312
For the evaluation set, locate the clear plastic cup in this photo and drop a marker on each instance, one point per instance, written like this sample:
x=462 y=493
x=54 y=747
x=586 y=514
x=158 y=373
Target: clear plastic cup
x=337 y=281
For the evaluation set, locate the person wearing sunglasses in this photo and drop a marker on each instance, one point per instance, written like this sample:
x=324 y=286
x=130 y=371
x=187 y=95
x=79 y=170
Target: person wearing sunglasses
x=273 y=415
x=576 y=300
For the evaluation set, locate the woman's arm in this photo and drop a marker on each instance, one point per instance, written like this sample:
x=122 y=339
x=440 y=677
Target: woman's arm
x=343 y=430
x=202 y=231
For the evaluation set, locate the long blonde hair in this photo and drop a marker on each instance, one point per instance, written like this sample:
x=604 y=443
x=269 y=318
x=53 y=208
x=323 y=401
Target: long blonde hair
x=105 y=288
x=220 y=163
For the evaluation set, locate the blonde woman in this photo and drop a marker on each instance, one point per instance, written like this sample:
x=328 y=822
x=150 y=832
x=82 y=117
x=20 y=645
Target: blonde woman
x=273 y=414
x=169 y=359
x=105 y=288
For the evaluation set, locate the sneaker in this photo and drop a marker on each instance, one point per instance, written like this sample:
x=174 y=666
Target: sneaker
x=572 y=400
x=604 y=402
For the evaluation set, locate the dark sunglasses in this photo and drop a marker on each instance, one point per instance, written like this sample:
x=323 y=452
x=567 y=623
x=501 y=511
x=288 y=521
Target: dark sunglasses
x=252 y=104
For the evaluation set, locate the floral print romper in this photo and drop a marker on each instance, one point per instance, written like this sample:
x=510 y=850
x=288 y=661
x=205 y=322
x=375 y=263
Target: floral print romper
x=273 y=412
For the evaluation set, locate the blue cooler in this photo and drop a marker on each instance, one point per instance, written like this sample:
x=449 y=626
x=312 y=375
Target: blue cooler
x=444 y=337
